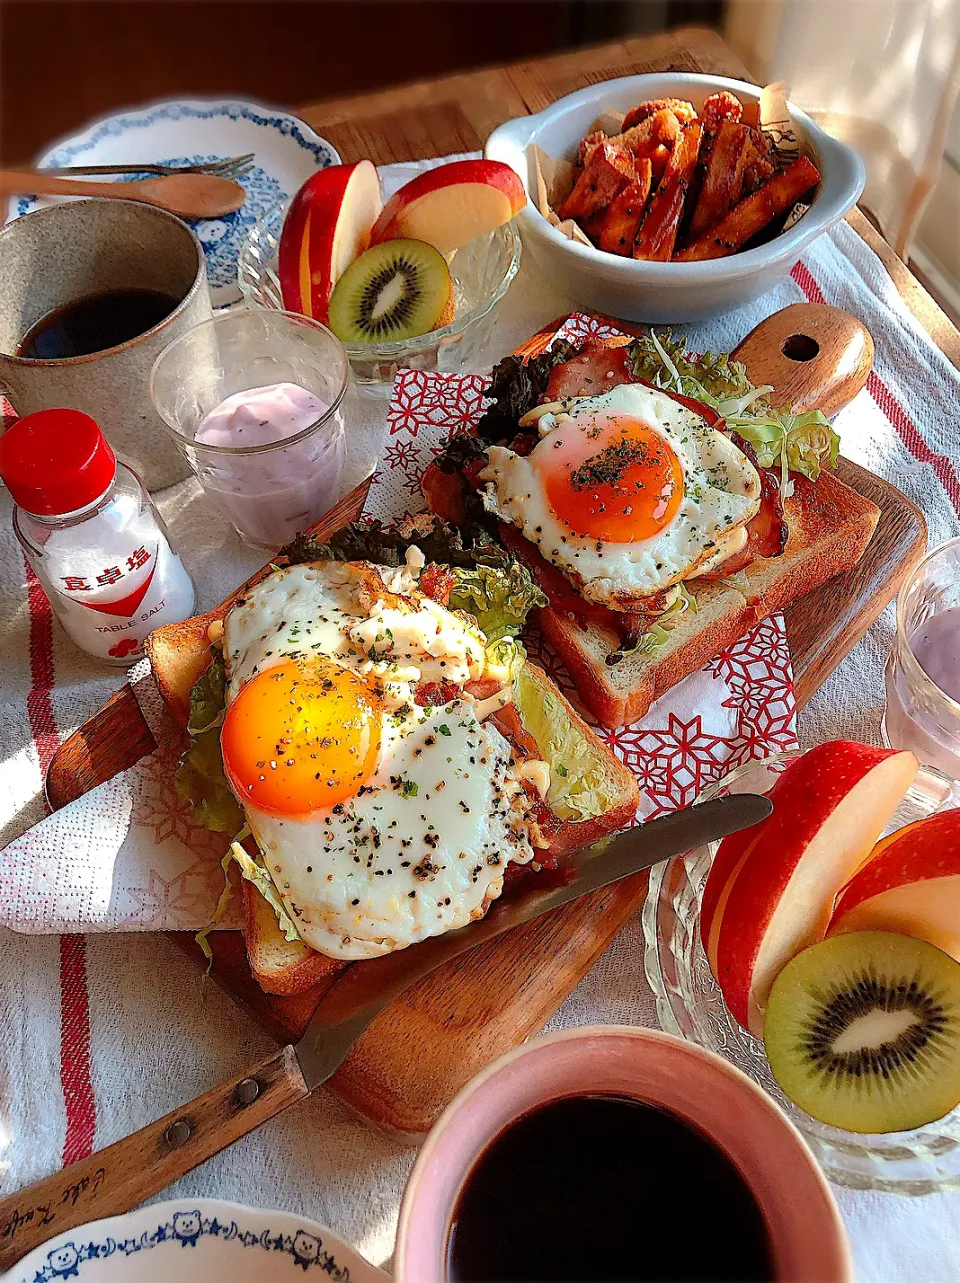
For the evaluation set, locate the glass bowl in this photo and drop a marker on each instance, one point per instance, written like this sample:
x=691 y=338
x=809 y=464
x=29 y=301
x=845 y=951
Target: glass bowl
x=689 y=1004
x=482 y=273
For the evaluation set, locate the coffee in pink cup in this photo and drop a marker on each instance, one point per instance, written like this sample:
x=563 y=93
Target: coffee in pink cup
x=538 y=1169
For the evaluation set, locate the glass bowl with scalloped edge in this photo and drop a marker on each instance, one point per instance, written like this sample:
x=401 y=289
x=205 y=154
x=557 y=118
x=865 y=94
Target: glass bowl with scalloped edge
x=482 y=273
x=690 y=1005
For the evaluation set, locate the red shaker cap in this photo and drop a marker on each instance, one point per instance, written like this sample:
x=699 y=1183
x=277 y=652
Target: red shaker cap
x=56 y=461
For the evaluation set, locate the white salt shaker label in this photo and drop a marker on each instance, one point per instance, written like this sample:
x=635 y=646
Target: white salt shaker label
x=111 y=600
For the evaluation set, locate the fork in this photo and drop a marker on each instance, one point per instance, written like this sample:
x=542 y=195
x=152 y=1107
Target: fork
x=231 y=167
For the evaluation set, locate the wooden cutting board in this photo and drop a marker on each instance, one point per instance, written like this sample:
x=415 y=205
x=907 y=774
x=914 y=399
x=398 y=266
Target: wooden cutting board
x=422 y=1049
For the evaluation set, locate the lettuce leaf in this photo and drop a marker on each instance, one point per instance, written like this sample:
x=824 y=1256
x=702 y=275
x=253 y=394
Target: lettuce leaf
x=200 y=780
x=388 y=545
x=663 y=360
x=199 y=777
x=516 y=385
x=499 y=598
x=253 y=870
x=803 y=443
x=208 y=697
x=509 y=654
x=577 y=775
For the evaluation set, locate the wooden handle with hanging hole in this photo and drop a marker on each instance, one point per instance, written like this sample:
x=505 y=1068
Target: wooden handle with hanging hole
x=816 y=356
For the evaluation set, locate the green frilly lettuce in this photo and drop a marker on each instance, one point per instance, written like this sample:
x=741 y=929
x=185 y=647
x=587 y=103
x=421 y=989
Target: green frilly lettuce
x=500 y=599
x=800 y=443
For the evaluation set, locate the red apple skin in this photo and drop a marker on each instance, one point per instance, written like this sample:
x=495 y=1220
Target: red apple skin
x=843 y=793
x=909 y=885
x=307 y=258
x=402 y=214
x=727 y=863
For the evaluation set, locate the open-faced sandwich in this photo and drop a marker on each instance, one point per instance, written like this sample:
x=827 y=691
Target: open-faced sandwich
x=661 y=503
x=362 y=717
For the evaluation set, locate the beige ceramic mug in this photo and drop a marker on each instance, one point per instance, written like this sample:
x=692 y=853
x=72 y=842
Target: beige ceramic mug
x=69 y=251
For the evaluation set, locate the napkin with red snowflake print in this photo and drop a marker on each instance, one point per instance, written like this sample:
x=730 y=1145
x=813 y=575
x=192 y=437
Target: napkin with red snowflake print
x=127 y=856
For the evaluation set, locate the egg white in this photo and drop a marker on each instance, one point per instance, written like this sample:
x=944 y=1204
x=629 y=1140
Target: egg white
x=393 y=866
x=721 y=493
x=363 y=617
x=423 y=847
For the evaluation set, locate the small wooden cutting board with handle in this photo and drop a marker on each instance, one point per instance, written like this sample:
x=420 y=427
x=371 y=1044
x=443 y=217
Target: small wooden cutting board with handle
x=430 y=1042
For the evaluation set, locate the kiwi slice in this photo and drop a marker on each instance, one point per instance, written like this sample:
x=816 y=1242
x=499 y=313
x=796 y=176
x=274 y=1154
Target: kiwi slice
x=396 y=290
x=863 y=1031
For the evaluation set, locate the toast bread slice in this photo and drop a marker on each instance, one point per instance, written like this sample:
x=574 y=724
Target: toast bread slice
x=280 y=965
x=830 y=526
x=179 y=654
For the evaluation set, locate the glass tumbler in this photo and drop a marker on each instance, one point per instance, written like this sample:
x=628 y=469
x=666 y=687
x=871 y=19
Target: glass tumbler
x=923 y=671
x=269 y=492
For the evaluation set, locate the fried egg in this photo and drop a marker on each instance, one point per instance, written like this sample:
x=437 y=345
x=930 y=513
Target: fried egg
x=626 y=493
x=381 y=820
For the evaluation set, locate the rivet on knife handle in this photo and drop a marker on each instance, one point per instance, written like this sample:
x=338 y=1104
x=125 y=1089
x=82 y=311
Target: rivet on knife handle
x=117 y=1178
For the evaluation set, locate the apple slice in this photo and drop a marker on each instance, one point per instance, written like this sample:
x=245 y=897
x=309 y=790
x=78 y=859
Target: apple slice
x=327 y=226
x=830 y=806
x=452 y=205
x=910 y=885
x=730 y=858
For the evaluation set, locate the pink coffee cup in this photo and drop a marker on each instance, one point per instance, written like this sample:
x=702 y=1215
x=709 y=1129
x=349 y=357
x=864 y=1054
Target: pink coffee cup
x=806 y=1235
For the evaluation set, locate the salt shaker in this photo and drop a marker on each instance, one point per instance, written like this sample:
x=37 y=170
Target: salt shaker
x=92 y=535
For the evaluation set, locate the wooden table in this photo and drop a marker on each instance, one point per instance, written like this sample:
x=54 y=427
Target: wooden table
x=457 y=113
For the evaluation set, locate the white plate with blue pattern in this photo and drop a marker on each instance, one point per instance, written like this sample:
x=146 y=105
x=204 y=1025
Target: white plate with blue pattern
x=197 y=1241
x=287 y=152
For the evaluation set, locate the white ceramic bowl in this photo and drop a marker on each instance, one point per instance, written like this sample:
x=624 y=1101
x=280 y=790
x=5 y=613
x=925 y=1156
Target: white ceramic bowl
x=642 y=291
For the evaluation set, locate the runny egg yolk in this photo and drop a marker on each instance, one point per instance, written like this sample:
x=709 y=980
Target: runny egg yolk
x=298 y=738
x=613 y=478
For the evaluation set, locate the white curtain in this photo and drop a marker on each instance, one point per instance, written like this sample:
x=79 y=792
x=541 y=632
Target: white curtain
x=883 y=75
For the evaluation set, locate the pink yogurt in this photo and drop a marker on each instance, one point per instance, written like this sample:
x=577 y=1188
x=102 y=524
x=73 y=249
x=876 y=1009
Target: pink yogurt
x=279 y=491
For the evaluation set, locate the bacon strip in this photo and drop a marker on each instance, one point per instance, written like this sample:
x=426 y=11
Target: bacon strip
x=595 y=370
x=766 y=533
x=437 y=582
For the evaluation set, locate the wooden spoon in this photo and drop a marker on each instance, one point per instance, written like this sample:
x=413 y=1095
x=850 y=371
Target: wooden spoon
x=188 y=195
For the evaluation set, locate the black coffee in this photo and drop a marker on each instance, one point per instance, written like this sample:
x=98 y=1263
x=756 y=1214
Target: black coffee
x=605 y=1188
x=94 y=323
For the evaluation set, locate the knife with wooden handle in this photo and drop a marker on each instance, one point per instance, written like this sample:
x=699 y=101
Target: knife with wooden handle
x=117 y=1178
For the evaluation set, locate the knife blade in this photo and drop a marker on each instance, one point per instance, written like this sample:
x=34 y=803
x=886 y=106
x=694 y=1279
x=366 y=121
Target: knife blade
x=114 y=1179
x=362 y=993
